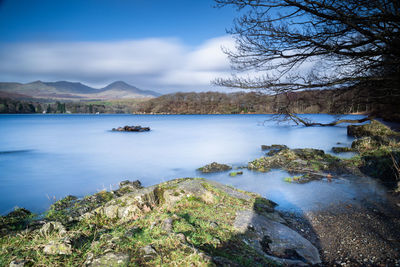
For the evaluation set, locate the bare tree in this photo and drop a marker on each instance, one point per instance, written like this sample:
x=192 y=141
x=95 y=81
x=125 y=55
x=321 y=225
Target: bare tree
x=349 y=43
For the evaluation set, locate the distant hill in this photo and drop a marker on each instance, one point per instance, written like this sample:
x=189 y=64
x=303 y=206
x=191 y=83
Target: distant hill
x=64 y=90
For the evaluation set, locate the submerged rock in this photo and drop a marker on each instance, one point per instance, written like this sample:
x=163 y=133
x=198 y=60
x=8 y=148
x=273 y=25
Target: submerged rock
x=215 y=167
x=233 y=174
x=132 y=129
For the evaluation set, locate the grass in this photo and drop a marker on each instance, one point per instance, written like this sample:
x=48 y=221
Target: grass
x=201 y=229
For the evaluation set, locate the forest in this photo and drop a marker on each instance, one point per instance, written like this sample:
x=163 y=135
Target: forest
x=311 y=101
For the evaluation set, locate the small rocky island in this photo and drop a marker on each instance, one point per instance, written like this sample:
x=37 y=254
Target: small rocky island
x=131 y=129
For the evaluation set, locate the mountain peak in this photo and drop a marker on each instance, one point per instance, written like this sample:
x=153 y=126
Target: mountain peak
x=127 y=88
x=121 y=85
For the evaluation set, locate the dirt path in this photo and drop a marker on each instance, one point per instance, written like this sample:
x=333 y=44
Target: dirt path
x=348 y=235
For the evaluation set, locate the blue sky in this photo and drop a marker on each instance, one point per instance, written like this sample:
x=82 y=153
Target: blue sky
x=162 y=45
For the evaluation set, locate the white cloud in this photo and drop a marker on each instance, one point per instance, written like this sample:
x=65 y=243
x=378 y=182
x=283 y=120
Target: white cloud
x=159 y=63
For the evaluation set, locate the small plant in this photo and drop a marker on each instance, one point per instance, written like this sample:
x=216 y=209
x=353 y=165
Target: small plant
x=288 y=179
x=233 y=174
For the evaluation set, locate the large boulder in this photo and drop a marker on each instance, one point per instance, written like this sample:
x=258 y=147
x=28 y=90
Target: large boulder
x=275 y=240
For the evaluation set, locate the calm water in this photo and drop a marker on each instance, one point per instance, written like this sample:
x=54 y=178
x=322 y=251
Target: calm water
x=43 y=157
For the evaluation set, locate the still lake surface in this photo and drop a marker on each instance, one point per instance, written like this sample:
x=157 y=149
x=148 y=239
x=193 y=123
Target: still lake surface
x=47 y=157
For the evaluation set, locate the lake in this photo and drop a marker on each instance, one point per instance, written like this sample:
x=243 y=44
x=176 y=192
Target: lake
x=46 y=157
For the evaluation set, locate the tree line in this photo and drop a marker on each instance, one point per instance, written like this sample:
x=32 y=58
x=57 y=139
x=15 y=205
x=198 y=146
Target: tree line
x=313 y=101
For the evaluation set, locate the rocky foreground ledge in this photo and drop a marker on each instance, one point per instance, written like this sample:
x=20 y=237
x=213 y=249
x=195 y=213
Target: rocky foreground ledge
x=183 y=222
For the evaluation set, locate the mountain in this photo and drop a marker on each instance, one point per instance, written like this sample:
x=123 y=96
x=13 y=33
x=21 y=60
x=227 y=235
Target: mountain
x=72 y=87
x=64 y=90
x=123 y=87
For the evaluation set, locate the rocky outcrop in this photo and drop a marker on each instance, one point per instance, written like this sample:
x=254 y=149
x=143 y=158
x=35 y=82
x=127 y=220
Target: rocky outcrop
x=132 y=129
x=374 y=128
x=181 y=222
x=379 y=151
x=310 y=163
x=214 y=167
x=275 y=240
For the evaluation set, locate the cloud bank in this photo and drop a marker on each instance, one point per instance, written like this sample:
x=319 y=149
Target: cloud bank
x=161 y=64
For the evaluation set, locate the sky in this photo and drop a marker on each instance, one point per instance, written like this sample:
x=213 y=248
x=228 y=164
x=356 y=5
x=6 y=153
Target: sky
x=166 y=46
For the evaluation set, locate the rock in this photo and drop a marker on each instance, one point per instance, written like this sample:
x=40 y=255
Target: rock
x=64 y=203
x=276 y=240
x=133 y=184
x=57 y=248
x=215 y=167
x=15 y=220
x=374 y=128
x=221 y=261
x=18 y=263
x=275 y=147
x=369 y=143
x=309 y=153
x=132 y=129
x=109 y=259
x=167 y=225
x=181 y=237
x=52 y=227
x=337 y=149
x=127 y=187
x=111 y=211
x=148 y=252
x=213 y=224
x=132 y=231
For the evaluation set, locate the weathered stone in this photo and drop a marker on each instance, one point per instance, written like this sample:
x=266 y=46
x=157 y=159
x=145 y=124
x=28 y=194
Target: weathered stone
x=111 y=211
x=215 y=167
x=52 y=227
x=57 y=248
x=274 y=147
x=275 y=239
x=148 y=252
x=18 y=263
x=110 y=259
x=167 y=225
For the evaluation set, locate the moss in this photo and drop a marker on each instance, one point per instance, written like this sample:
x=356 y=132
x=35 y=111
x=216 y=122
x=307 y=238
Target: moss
x=233 y=174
